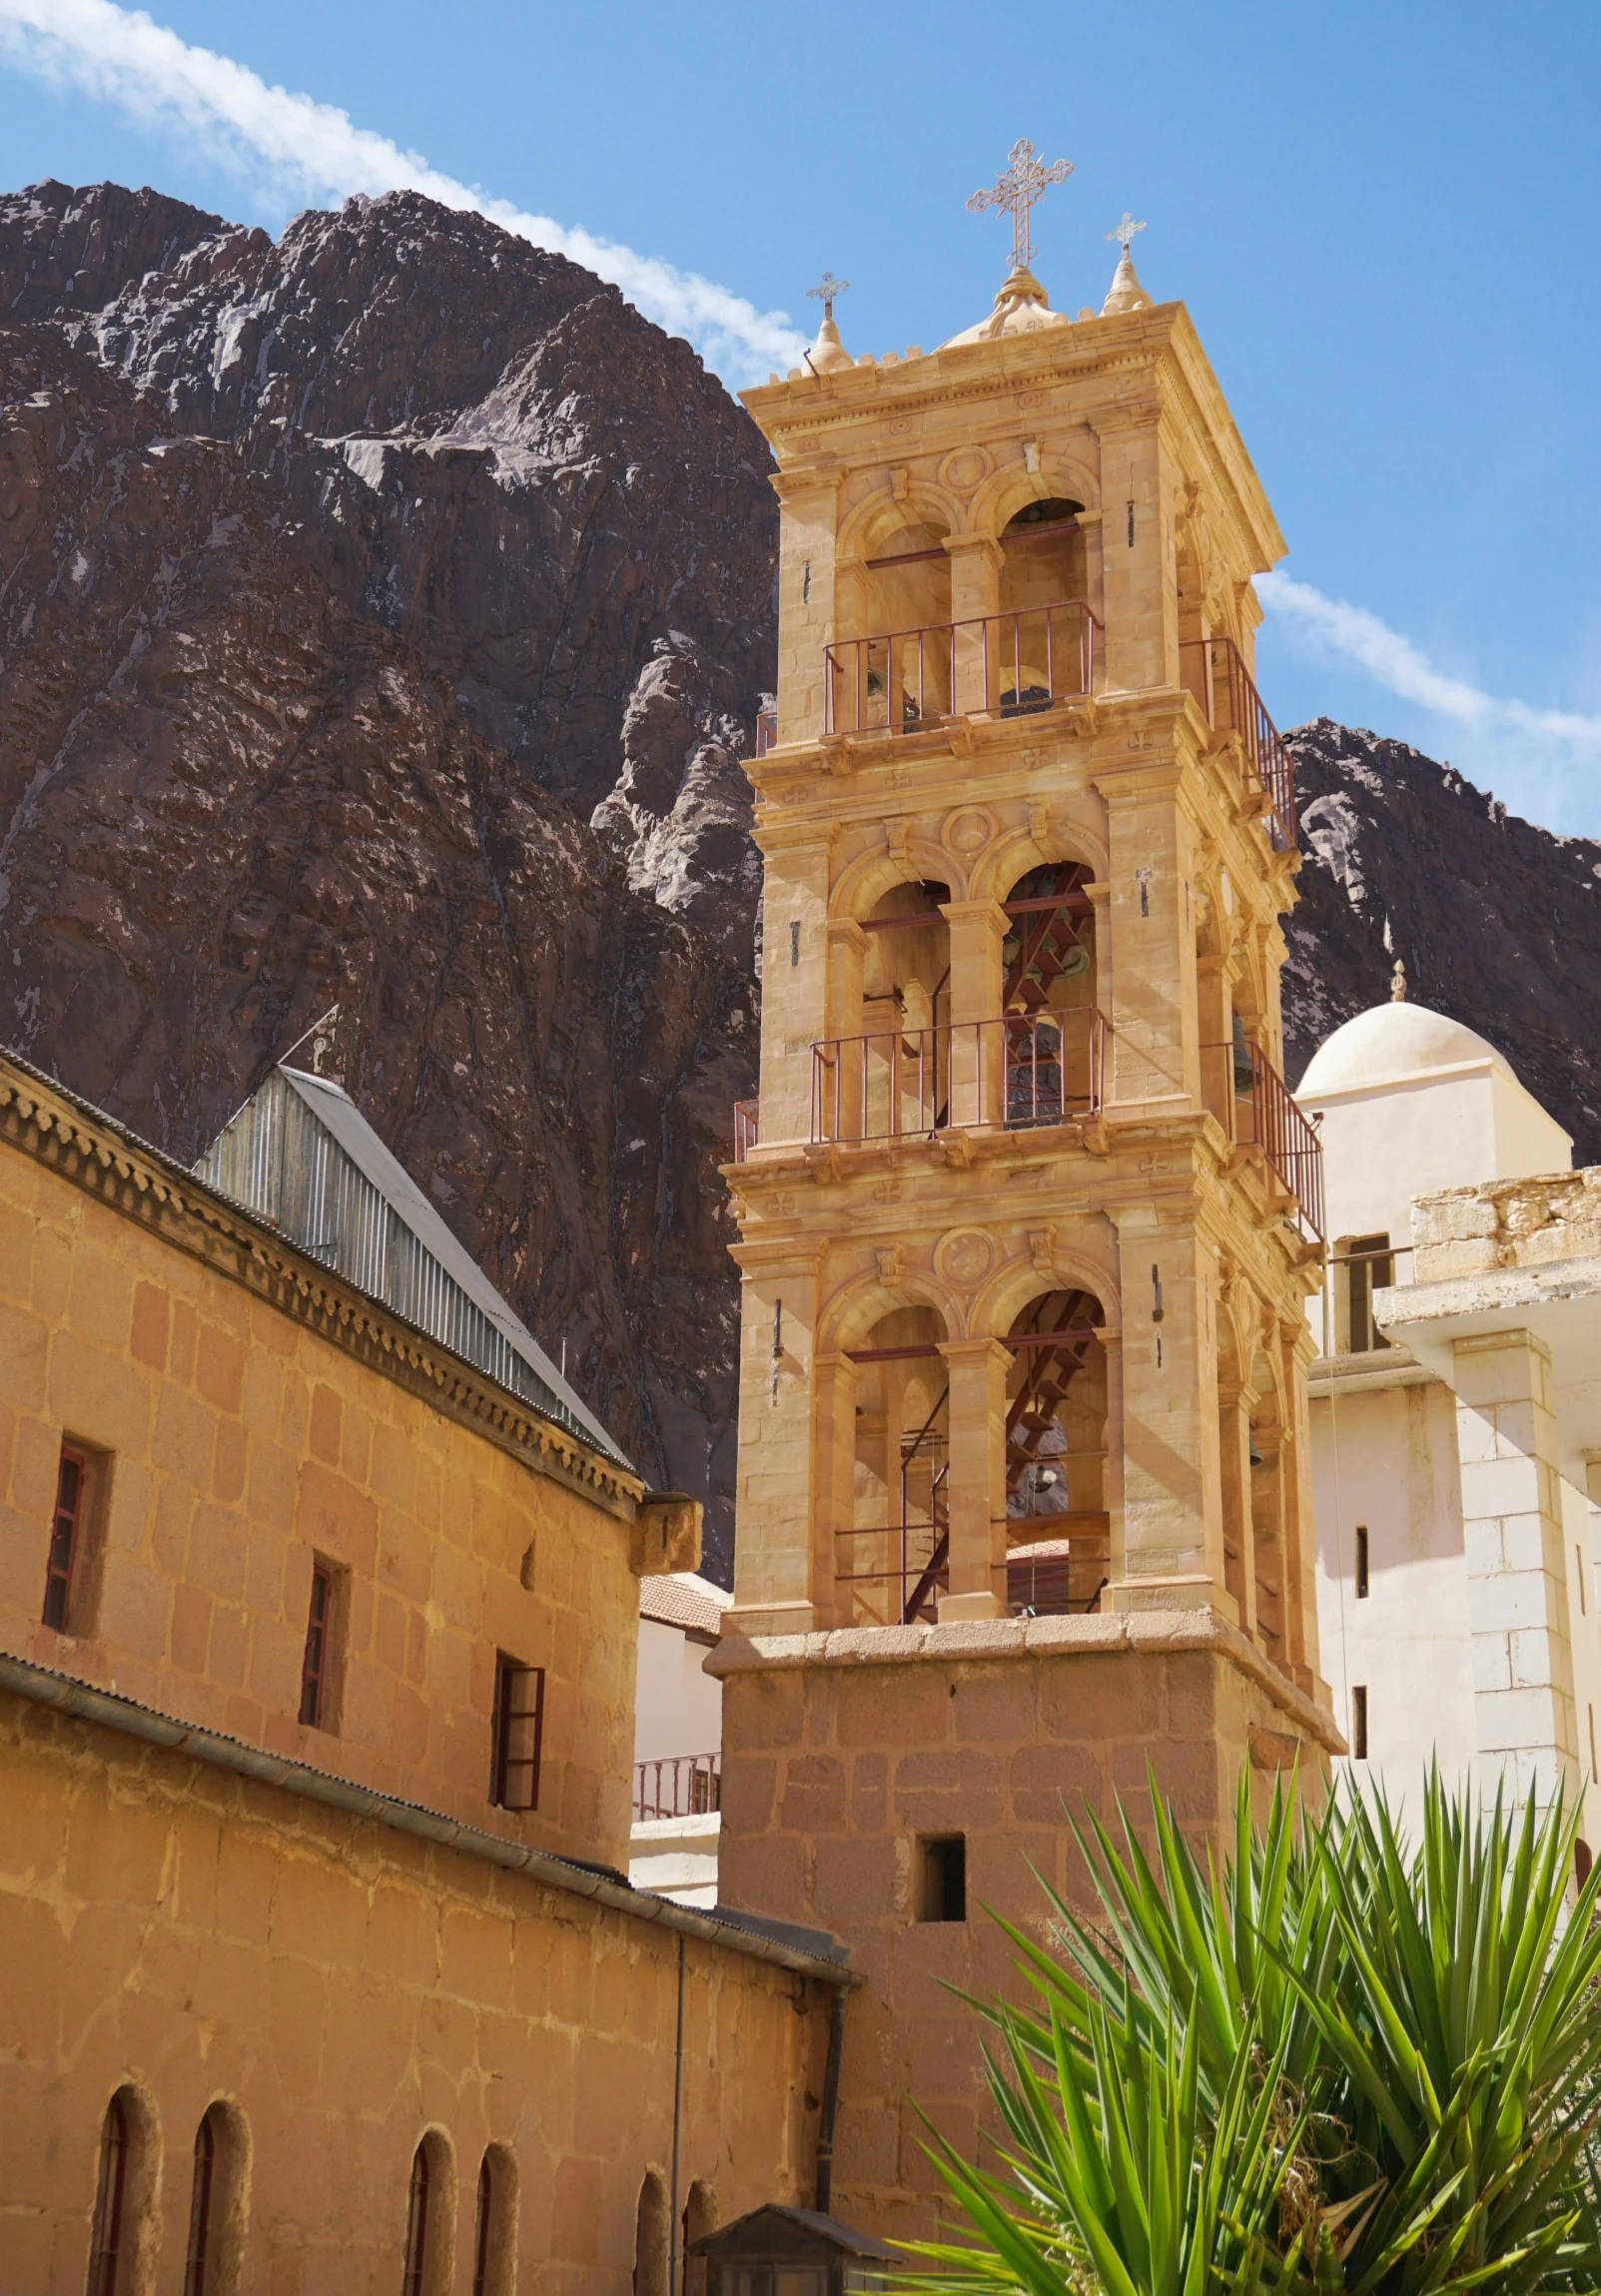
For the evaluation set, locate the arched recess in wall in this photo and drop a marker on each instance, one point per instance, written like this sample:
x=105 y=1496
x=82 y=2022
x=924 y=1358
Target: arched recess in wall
x=123 y=2230
x=494 y=2224
x=429 y=2217
x=1059 y=1550
x=651 y=2267
x=890 y=1535
x=700 y=2218
x=217 y=2201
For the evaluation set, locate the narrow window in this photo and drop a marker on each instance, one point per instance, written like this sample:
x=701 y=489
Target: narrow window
x=195 y=2281
x=1595 y=1775
x=318 y=1666
x=68 y=1536
x=1361 y=1562
x=480 y=2237
x=105 y=2239
x=1369 y=1266
x=1578 y=1564
x=945 y=1878
x=517 y=1733
x=1359 y=1722
x=417 y=2224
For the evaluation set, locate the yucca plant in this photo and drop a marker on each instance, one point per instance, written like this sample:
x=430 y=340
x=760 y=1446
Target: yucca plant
x=1418 y=2032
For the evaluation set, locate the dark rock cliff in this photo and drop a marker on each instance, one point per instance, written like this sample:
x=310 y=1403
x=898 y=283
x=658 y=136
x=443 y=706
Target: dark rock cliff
x=343 y=579
x=1497 y=923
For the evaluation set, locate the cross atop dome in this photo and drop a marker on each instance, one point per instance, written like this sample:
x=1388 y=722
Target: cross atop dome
x=1123 y=232
x=1025 y=181
x=827 y=288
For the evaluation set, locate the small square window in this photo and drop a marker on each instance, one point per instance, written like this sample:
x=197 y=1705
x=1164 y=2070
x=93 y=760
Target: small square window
x=944 y=1879
x=517 y=1734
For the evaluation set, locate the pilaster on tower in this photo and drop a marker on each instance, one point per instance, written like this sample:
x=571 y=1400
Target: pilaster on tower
x=1029 y=1220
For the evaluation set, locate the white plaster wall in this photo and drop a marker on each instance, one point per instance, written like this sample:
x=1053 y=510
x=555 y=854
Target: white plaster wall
x=678 y=1707
x=1527 y=1140
x=1579 y=1521
x=1387 y=1457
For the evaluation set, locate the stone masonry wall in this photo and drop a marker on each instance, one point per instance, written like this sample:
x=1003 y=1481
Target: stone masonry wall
x=836 y=1769
x=240 y=1443
x=1507 y=1223
x=166 y=1926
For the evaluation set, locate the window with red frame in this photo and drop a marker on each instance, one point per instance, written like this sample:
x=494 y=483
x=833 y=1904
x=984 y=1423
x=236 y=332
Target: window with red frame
x=68 y=1536
x=518 y=1732
x=317 y=1664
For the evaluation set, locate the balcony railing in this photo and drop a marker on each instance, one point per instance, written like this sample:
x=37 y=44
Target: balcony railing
x=1215 y=673
x=747 y=1127
x=678 y=1786
x=1012 y=1074
x=1013 y=663
x=766 y=731
x=1262 y=1113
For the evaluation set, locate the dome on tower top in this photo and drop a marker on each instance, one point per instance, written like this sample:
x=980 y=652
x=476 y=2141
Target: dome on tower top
x=1125 y=293
x=1389 y=1042
x=1021 y=307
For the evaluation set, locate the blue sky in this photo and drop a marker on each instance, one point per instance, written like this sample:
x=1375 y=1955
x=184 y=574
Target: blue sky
x=1383 y=221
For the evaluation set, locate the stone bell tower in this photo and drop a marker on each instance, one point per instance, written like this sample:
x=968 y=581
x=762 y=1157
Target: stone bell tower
x=1027 y=1217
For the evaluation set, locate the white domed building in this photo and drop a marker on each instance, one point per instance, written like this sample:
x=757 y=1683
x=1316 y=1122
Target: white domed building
x=1452 y=1414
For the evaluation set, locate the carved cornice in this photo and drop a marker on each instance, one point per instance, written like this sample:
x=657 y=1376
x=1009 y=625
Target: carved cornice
x=93 y=1153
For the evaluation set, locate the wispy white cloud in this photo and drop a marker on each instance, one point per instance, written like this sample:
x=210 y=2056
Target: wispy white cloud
x=314 y=152
x=1394 y=661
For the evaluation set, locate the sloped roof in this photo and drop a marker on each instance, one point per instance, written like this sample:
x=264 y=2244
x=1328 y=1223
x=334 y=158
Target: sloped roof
x=301 y=1154
x=684 y=1599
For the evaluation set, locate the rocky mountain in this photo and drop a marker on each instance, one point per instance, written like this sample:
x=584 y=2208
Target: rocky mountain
x=1497 y=923
x=384 y=612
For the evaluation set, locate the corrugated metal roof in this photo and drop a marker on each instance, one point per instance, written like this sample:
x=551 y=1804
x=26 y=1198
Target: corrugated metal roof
x=301 y=1154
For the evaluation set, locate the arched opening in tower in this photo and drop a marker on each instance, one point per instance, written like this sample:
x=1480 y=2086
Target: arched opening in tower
x=1044 y=596
x=891 y=1563
x=1058 y=1529
x=1053 y=1037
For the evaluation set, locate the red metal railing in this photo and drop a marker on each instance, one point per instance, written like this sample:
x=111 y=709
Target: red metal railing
x=1015 y=1073
x=1015 y=662
x=747 y=1127
x=1263 y=1111
x=766 y=731
x=1216 y=675
x=1039 y=1583
x=678 y=1786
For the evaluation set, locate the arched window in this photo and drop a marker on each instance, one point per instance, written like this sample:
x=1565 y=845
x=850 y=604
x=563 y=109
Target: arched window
x=111 y=2200
x=650 y=2237
x=195 y=2282
x=494 y=2235
x=430 y=2215
x=417 y=2224
x=701 y=2217
x=215 y=2251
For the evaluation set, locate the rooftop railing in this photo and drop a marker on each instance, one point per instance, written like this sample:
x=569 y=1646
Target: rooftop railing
x=1014 y=1075
x=1262 y=1113
x=1011 y=664
x=1215 y=672
x=678 y=1786
x=747 y=1127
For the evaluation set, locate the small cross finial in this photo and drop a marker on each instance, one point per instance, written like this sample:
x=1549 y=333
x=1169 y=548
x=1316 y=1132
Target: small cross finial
x=1024 y=181
x=1123 y=232
x=826 y=290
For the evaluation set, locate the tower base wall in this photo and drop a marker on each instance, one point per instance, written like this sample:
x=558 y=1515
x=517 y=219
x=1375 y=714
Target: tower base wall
x=847 y=1755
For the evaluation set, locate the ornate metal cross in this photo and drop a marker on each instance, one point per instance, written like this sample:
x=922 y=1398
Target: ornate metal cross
x=827 y=288
x=1024 y=181
x=1123 y=232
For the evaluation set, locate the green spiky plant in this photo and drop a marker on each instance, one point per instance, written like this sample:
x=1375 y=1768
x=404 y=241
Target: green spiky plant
x=1332 y=2062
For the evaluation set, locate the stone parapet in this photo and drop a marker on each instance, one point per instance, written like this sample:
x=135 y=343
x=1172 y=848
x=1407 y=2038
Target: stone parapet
x=1531 y=1223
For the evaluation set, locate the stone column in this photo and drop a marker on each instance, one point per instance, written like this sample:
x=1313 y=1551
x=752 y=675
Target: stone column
x=978 y=1051
x=795 y=970
x=1235 y=1403
x=1168 y=1555
x=1518 y=1580
x=1142 y=604
x=834 y=1430
x=807 y=609
x=838 y=1078
x=975 y=564
x=1151 y=920
x=774 y=1570
x=976 y=1484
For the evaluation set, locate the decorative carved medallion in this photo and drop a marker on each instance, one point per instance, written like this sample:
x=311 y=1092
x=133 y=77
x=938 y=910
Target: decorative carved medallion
x=966 y=467
x=968 y=830
x=964 y=1258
